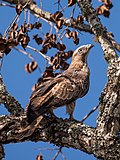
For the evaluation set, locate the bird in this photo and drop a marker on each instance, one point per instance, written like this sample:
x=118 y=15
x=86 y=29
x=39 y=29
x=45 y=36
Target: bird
x=64 y=89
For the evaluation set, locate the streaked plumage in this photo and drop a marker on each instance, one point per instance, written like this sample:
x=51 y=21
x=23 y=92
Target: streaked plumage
x=64 y=89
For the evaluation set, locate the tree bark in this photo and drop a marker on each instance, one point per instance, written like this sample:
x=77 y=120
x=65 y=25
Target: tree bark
x=103 y=141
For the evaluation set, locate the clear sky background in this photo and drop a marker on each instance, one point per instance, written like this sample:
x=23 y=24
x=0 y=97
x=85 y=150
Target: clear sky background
x=19 y=83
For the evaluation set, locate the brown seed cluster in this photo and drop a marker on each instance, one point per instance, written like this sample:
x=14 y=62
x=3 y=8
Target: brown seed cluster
x=104 y=9
x=30 y=67
x=73 y=35
x=58 y=19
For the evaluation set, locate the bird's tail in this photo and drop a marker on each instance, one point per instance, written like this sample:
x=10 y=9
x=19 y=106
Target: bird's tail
x=28 y=130
x=31 y=114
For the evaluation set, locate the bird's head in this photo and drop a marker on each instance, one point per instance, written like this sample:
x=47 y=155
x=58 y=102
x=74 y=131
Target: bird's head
x=81 y=53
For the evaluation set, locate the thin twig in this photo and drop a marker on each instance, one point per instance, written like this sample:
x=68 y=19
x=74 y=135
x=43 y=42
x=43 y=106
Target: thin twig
x=94 y=109
x=28 y=19
x=14 y=20
x=58 y=152
x=11 y=25
x=63 y=156
x=61 y=35
x=73 y=11
x=25 y=53
x=7 y=5
x=35 y=50
x=44 y=149
x=1 y=62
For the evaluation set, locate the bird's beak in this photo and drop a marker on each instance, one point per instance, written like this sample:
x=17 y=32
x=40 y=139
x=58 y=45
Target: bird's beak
x=90 y=46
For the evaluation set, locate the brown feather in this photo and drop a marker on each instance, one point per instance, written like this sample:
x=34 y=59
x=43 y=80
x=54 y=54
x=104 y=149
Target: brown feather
x=63 y=89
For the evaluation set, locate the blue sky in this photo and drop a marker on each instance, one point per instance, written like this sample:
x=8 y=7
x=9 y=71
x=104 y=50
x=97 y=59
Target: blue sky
x=19 y=83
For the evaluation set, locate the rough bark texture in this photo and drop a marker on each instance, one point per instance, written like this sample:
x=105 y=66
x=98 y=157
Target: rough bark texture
x=103 y=141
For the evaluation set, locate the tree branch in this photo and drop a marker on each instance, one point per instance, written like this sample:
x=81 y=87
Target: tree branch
x=93 y=28
x=100 y=141
x=97 y=28
x=11 y=104
x=63 y=133
x=108 y=124
x=60 y=132
x=49 y=16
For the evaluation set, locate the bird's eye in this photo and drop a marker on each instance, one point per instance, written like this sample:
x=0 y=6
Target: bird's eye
x=80 y=50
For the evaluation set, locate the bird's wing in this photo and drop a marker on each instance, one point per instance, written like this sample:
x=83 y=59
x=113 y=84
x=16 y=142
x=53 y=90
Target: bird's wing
x=49 y=95
x=42 y=88
x=65 y=89
x=57 y=85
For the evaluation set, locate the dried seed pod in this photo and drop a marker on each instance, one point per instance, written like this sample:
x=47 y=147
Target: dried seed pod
x=15 y=26
x=107 y=2
x=24 y=41
x=39 y=157
x=7 y=50
x=61 y=47
x=19 y=8
x=67 y=34
x=37 y=25
x=57 y=18
x=48 y=72
x=30 y=67
x=76 y=41
x=103 y=10
x=71 y=2
x=37 y=39
x=64 y=65
x=59 y=23
x=80 y=19
x=56 y=60
x=44 y=49
x=2 y=44
x=67 y=55
x=53 y=44
x=23 y=29
x=53 y=37
x=57 y=15
x=11 y=43
x=75 y=37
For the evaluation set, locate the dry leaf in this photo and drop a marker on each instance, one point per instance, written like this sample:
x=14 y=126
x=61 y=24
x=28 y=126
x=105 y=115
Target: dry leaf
x=30 y=67
x=19 y=8
x=103 y=10
x=71 y=2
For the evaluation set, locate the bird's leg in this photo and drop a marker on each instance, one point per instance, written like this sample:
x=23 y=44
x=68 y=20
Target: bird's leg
x=70 y=109
x=71 y=117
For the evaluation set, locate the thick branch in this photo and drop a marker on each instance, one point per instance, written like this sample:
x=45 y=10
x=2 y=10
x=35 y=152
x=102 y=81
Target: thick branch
x=11 y=104
x=111 y=93
x=108 y=122
x=109 y=117
x=102 y=141
x=49 y=16
x=97 y=28
x=70 y=23
x=62 y=133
